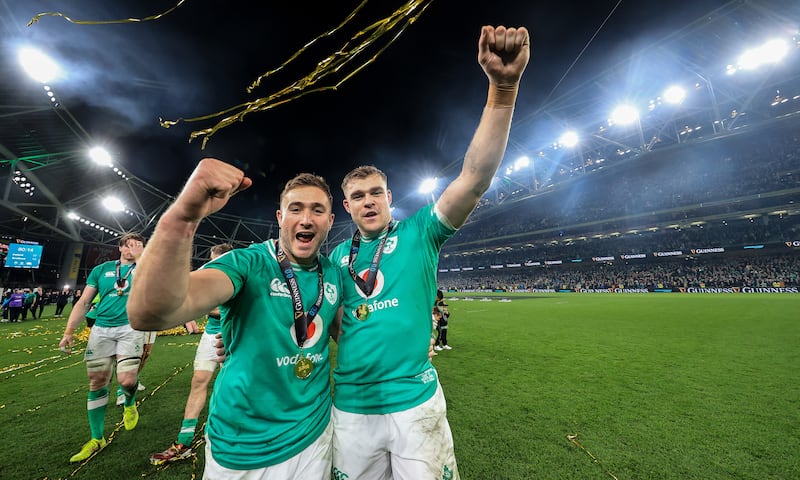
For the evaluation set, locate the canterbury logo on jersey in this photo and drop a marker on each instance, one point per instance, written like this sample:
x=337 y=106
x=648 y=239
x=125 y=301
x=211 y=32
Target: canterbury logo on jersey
x=278 y=288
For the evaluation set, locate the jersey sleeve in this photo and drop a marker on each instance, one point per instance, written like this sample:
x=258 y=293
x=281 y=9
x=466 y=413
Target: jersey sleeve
x=435 y=231
x=235 y=264
x=94 y=277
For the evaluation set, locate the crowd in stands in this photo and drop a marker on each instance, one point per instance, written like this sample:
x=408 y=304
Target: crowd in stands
x=732 y=236
x=713 y=272
x=736 y=195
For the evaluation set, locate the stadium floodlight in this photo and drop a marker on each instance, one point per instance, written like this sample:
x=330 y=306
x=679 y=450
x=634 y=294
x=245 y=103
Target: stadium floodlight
x=624 y=115
x=113 y=204
x=522 y=162
x=772 y=51
x=428 y=185
x=73 y=216
x=37 y=65
x=568 y=139
x=674 y=95
x=100 y=156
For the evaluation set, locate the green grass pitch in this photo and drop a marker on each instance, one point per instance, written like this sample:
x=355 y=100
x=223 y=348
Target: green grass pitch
x=650 y=386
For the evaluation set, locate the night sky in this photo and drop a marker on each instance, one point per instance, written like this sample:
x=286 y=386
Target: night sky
x=411 y=112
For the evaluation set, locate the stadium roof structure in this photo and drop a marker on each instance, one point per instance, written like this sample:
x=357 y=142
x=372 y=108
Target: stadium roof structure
x=42 y=140
x=701 y=58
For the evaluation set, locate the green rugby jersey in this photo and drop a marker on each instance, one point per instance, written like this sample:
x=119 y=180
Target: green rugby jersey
x=261 y=414
x=213 y=325
x=110 y=309
x=382 y=361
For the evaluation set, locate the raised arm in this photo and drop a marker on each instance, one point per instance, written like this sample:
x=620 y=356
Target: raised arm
x=503 y=53
x=165 y=292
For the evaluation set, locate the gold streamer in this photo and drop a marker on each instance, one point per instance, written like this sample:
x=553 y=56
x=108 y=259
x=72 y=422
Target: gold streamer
x=19 y=366
x=401 y=19
x=38 y=16
x=397 y=22
x=296 y=54
x=574 y=439
x=58 y=399
x=79 y=362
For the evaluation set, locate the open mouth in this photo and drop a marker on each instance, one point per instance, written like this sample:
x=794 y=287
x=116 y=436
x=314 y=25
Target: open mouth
x=305 y=237
x=370 y=214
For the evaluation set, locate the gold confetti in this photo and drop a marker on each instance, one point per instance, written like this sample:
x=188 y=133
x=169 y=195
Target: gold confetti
x=38 y=16
x=574 y=440
x=335 y=63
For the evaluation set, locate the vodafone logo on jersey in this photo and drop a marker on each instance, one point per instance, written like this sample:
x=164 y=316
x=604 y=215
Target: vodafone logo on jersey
x=378 y=283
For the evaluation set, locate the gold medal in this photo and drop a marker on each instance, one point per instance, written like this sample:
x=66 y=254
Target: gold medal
x=303 y=368
x=362 y=312
x=119 y=293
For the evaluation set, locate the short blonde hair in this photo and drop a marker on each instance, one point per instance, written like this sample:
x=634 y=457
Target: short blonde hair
x=218 y=250
x=307 y=180
x=363 y=171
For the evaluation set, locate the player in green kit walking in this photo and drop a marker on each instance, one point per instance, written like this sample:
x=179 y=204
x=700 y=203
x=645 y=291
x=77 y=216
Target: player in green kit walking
x=389 y=410
x=112 y=340
x=269 y=416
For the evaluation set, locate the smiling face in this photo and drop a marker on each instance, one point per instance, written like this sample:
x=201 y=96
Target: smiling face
x=368 y=201
x=305 y=219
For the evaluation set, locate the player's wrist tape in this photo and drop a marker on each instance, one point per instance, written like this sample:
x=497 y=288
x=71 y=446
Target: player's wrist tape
x=502 y=96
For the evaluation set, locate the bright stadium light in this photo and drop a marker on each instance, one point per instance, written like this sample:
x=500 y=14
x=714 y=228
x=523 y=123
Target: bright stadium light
x=772 y=51
x=624 y=115
x=428 y=185
x=522 y=162
x=674 y=95
x=100 y=156
x=569 y=139
x=37 y=65
x=113 y=204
